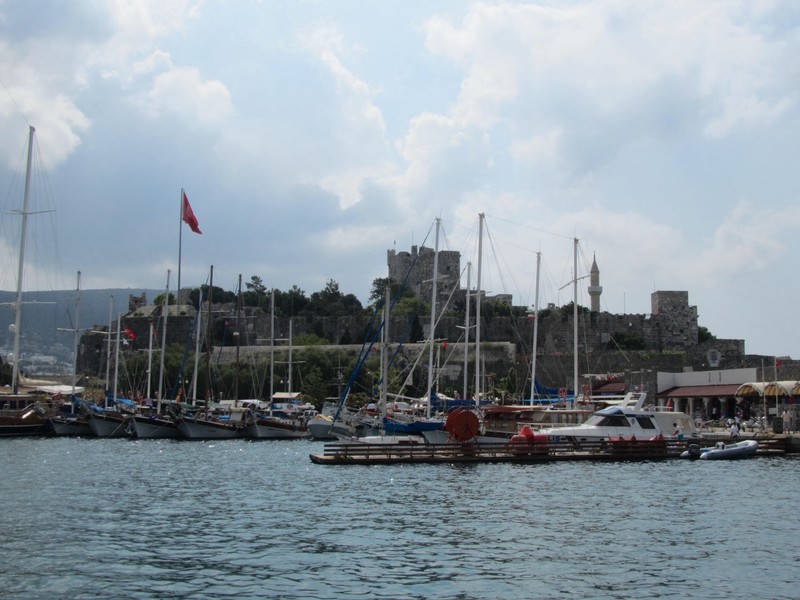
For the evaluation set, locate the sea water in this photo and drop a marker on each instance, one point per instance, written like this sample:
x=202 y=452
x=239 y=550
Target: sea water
x=89 y=518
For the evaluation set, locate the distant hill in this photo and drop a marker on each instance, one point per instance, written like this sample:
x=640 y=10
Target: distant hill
x=44 y=314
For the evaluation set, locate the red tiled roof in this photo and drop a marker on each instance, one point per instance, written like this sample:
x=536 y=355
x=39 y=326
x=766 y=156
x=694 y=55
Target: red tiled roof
x=699 y=391
x=610 y=388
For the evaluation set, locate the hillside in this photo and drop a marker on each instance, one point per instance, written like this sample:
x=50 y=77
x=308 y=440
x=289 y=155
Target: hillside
x=46 y=314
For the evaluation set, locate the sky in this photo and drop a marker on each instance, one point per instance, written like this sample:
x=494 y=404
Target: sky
x=312 y=136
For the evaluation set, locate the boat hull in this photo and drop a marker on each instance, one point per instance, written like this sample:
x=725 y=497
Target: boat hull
x=412 y=426
x=21 y=426
x=155 y=428
x=320 y=429
x=71 y=427
x=276 y=429
x=23 y=415
x=198 y=429
x=109 y=426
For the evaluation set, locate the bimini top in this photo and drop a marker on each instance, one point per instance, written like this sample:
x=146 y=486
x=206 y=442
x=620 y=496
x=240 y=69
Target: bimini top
x=769 y=388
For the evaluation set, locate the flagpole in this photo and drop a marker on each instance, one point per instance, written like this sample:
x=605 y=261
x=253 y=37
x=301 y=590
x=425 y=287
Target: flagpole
x=180 y=246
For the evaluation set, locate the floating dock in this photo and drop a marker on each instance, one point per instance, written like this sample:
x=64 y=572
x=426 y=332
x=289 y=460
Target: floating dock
x=354 y=453
x=467 y=452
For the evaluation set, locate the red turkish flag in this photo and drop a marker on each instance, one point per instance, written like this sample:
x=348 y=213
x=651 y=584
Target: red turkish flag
x=187 y=214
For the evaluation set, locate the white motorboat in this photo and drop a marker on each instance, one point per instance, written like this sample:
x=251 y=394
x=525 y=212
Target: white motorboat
x=722 y=451
x=631 y=417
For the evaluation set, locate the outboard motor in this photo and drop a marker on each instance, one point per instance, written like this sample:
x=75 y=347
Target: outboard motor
x=694 y=451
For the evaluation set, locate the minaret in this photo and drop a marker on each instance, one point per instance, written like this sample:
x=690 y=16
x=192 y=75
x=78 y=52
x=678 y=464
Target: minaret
x=595 y=289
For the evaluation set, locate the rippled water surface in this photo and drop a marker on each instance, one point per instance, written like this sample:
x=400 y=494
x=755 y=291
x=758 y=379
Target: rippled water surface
x=168 y=519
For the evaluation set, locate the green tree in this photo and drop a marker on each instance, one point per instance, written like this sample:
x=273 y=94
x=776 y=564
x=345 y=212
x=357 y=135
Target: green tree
x=159 y=300
x=704 y=335
x=291 y=303
x=256 y=294
x=256 y=285
x=314 y=386
x=330 y=302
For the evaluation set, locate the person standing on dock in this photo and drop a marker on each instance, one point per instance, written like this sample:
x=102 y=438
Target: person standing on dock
x=787 y=421
x=734 y=430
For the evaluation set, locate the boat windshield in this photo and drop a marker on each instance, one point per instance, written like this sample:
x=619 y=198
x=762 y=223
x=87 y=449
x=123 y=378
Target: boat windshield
x=646 y=423
x=608 y=421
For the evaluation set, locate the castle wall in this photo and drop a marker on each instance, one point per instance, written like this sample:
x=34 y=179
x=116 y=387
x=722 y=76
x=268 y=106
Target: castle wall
x=416 y=268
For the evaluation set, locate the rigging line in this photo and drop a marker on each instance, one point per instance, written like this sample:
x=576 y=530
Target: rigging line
x=559 y=235
x=14 y=102
x=44 y=190
x=366 y=347
x=468 y=238
x=189 y=345
x=430 y=341
x=495 y=254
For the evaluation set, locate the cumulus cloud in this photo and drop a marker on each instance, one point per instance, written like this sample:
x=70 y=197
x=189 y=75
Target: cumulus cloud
x=632 y=126
x=359 y=131
x=748 y=240
x=48 y=71
x=183 y=91
x=589 y=70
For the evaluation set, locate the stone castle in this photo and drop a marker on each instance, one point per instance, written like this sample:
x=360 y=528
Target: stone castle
x=671 y=324
x=667 y=339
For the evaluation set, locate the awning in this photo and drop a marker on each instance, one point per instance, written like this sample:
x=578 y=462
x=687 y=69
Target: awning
x=700 y=391
x=64 y=390
x=751 y=389
x=779 y=388
x=609 y=388
x=769 y=388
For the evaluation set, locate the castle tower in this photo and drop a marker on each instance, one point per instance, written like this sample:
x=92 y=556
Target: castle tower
x=416 y=269
x=595 y=289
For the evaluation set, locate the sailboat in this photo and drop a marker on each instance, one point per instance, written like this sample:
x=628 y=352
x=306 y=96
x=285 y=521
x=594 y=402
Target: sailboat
x=22 y=414
x=71 y=421
x=112 y=420
x=292 y=425
x=383 y=435
x=156 y=424
x=407 y=424
x=212 y=423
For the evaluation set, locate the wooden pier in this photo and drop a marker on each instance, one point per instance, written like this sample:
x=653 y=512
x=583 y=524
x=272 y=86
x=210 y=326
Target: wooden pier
x=375 y=454
x=466 y=452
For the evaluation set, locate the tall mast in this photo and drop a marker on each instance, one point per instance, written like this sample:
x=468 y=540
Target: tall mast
x=197 y=336
x=116 y=362
x=290 y=357
x=534 y=344
x=238 y=341
x=150 y=359
x=384 y=359
x=108 y=342
x=165 y=309
x=271 y=349
x=466 y=335
x=20 y=268
x=180 y=245
x=75 y=337
x=575 y=322
x=433 y=315
x=478 y=369
x=209 y=339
